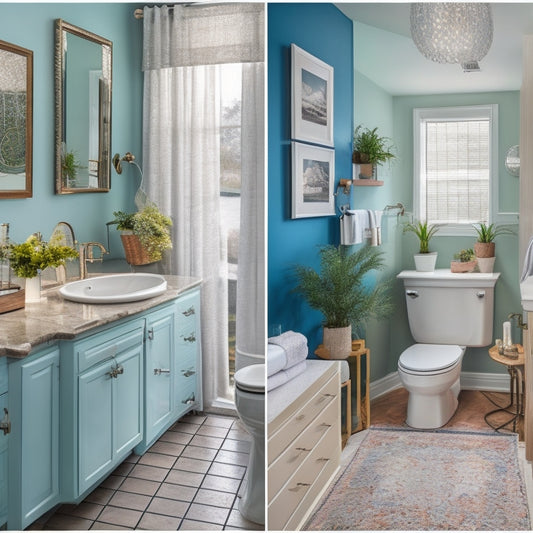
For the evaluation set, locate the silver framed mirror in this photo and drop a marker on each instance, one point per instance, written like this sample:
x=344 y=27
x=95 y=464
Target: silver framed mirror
x=83 y=88
x=512 y=160
x=16 y=121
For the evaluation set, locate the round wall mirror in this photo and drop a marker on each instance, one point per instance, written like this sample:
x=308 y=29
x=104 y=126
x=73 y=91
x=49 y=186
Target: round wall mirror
x=512 y=161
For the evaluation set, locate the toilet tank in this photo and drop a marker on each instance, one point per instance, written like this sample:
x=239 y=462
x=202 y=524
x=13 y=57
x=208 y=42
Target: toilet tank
x=449 y=308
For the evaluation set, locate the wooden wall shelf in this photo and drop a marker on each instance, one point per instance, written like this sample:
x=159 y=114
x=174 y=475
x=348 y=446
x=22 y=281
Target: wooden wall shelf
x=368 y=183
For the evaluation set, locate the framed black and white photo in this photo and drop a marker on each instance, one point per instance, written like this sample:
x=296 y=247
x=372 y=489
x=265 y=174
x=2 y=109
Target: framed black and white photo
x=313 y=174
x=312 y=98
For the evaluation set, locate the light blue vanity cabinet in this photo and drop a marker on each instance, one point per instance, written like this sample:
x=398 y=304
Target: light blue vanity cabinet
x=4 y=435
x=102 y=404
x=188 y=386
x=33 y=472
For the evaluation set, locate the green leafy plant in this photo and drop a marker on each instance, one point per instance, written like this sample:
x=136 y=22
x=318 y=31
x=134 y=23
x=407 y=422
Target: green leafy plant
x=31 y=257
x=465 y=256
x=370 y=147
x=151 y=226
x=69 y=166
x=339 y=290
x=423 y=231
x=488 y=232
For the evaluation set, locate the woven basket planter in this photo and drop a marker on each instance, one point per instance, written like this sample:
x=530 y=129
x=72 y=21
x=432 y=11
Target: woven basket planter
x=135 y=253
x=484 y=249
x=338 y=342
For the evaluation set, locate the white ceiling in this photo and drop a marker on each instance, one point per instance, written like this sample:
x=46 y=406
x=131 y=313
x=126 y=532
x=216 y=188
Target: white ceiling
x=385 y=52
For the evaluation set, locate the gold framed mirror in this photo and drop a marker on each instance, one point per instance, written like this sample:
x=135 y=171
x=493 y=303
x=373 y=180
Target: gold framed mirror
x=16 y=121
x=83 y=79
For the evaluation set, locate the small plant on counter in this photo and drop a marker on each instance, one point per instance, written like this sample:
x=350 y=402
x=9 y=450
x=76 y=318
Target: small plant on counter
x=464 y=256
x=31 y=257
x=464 y=261
x=150 y=226
x=423 y=231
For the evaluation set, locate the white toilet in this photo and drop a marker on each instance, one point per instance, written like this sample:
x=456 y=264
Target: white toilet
x=447 y=312
x=250 y=405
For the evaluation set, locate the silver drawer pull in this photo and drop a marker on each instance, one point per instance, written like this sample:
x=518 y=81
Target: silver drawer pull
x=159 y=371
x=327 y=395
x=324 y=425
x=304 y=449
x=299 y=486
x=115 y=371
x=323 y=459
x=189 y=311
x=190 y=338
x=151 y=334
x=5 y=424
x=188 y=373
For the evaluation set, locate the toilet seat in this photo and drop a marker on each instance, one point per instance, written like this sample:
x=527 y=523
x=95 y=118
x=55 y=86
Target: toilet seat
x=430 y=358
x=251 y=378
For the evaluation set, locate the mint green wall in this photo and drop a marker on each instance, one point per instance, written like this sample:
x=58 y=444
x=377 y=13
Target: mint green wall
x=32 y=26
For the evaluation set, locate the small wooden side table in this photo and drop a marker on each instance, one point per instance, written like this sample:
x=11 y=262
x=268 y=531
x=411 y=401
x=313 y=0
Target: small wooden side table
x=515 y=367
x=359 y=362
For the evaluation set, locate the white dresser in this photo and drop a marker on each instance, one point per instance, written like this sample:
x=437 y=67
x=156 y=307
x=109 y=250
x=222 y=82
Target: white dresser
x=304 y=443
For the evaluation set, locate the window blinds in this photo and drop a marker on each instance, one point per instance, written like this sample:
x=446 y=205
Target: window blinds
x=457 y=171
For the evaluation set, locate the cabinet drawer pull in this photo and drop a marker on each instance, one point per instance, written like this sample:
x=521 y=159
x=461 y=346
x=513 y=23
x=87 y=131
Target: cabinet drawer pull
x=188 y=373
x=151 y=334
x=324 y=425
x=159 y=371
x=304 y=449
x=115 y=371
x=190 y=338
x=299 y=486
x=328 y=395
x=323 y=459
x=189 y=401
x=189 y=311
x=5 y=424
x=299 y=418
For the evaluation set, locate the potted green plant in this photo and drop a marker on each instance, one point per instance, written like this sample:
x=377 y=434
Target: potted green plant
x=485 y=247
x=370 y=149
x=464 y=261
x=340 y=293
x=424 y=259
x=31 y=257
x=145 y=234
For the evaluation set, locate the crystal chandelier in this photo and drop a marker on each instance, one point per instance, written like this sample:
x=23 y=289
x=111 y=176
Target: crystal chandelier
x=452 y=32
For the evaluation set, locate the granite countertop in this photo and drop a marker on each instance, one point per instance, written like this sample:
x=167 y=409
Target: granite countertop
x=54 y=318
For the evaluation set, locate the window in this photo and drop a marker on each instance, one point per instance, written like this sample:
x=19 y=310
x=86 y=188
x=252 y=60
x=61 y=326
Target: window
x=455 y=162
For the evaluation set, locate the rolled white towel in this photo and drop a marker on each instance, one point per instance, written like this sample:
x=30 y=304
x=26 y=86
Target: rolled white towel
x=294 y=344
x=284 y=376
x=276 y=359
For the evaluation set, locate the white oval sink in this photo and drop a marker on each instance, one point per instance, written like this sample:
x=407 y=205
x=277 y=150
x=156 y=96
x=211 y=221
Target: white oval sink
x=115 y=288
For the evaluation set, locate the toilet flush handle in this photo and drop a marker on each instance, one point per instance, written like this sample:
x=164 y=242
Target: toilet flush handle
x=411 y=293
x=480 y=294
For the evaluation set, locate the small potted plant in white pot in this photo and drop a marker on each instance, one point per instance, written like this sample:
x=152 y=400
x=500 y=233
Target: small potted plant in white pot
x=424 y=260
x=485 y=247
x=338 y=291
x=464 y=261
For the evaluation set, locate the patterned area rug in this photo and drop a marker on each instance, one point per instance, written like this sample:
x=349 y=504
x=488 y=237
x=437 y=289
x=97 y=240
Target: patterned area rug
x=419 y=480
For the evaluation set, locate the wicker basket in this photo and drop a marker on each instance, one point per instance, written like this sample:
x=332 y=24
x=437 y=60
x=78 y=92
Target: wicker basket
x=135 y=253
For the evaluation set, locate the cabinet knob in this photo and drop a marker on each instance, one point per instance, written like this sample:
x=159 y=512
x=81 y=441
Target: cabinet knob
x=5 y=424
x=189 y=311
x=115 y=371
x=190 y=338
x=159 y=371
x=188 y=373
x=151 y=334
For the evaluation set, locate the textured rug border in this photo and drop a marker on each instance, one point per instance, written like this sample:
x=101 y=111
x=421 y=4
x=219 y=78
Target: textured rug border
x=340 y=474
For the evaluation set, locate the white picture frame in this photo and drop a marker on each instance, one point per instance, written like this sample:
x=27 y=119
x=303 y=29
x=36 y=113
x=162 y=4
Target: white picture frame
x=313 y=176
x=311 y=98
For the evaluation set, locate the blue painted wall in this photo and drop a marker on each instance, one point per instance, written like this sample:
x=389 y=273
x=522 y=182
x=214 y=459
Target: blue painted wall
x=32 y=26
x=323 y=31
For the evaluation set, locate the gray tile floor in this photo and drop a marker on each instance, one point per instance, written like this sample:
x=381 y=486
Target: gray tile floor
x=188 y=480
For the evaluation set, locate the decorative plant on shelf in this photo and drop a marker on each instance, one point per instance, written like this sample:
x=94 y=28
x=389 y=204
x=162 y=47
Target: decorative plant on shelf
x=146 y=234
x=465 y=261
x=371 y=148
x=424 y=260
x=340 y=293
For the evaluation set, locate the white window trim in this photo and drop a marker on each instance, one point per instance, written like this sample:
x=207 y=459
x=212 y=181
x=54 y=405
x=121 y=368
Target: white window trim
x=459 y=113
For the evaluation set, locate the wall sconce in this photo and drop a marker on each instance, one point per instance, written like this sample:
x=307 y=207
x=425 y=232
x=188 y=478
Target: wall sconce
x=345 y=185
x=117 y=161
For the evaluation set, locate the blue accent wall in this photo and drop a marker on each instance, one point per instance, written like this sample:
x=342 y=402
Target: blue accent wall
x=323 y=31
x=32 y=26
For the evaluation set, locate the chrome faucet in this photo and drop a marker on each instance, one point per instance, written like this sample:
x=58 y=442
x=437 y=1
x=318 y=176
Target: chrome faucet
x=87 y=256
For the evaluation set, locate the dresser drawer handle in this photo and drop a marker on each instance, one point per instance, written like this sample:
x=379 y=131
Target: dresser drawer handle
x=188 y=373
x=304 y=449
x=327 y=395
x=324 y=425
x=151 y=334
x=299 y=486
x=323 y=459
x=190 y=338
x=159 y=371
x=189 y=311
x=5 y=424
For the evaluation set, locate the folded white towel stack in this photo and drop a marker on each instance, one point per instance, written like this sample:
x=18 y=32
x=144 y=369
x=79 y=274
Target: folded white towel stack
x=286 y=355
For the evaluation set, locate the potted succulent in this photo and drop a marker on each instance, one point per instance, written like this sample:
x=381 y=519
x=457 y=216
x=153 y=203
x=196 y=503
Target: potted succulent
x=145 y=234
x=464 y=261
x=370 y=149
x=424 y=259
x=338 y=291
x=31 y=257
x=485 y=246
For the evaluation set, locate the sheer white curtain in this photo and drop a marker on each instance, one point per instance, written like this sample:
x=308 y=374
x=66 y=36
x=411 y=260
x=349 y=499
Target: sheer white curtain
x=183 y=50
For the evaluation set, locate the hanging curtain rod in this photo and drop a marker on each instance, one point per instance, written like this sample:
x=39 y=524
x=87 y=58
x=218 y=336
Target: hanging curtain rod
x=138 y=13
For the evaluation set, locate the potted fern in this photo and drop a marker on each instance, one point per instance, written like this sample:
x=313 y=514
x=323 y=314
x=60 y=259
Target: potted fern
x=145 y=234
x=340 y=293
x=485 y=247
x=424 y=260
x=370 y=149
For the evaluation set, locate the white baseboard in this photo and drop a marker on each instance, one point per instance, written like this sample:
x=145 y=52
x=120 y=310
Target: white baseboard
x=469 y=381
